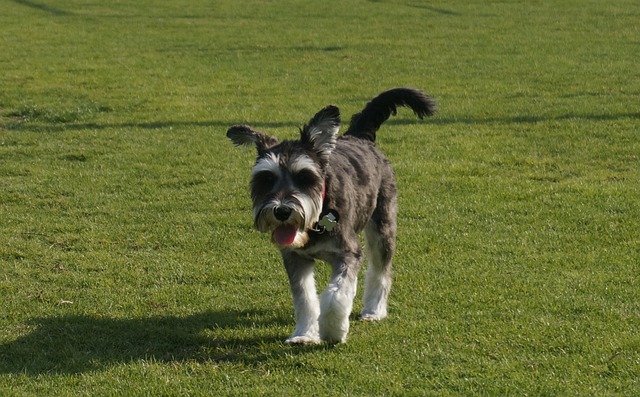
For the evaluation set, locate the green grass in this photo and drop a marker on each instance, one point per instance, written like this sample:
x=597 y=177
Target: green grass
x=128 y=264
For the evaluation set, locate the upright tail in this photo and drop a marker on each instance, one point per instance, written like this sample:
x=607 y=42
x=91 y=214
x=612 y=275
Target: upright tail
x=365 y=124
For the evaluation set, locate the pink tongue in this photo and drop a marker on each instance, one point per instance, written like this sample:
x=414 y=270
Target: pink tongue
x=284 y=235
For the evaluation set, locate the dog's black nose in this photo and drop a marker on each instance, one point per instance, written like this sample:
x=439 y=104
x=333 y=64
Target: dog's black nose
x=282 y=213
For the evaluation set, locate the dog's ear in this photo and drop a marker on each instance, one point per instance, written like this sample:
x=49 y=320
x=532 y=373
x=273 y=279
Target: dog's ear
x=322 y=130
x=242 y=135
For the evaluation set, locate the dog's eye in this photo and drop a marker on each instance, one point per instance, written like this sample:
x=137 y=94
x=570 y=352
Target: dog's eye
x=304 y=179
x=263 y=181
x=267 y=177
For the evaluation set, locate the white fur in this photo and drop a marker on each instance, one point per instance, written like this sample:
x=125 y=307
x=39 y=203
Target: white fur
x=271 y=163
x=307 y=311
x=303 y=162
x=323 y=136
x=265 y=222
x=377 y=281
x=376 y=292
x=310 y=208
x=335 y=307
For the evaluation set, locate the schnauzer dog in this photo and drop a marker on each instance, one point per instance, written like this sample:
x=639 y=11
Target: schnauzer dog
x=315 y=195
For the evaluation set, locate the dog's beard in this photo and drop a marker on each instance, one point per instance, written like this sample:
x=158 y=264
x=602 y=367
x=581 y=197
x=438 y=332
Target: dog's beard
x=305 y=213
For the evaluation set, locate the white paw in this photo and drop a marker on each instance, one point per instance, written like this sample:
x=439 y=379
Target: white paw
x=302 y=340
x=334 y=329
x=370 y=316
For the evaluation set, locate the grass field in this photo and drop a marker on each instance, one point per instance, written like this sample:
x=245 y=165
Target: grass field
x=128 y=263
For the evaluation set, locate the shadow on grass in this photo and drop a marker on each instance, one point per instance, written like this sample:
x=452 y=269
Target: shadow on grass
x=43 y=7
x=78 y=344
x=153 y=125
x=426 y=7
x=533 y=119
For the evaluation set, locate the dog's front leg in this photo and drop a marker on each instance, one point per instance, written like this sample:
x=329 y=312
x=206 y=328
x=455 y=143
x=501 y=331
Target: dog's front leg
x=305 y=298
x=337 y=299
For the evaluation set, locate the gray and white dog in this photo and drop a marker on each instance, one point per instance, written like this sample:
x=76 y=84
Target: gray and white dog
x=315 y=195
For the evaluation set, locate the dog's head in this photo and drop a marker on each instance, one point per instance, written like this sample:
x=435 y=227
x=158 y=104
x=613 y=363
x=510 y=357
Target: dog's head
x=287 y=180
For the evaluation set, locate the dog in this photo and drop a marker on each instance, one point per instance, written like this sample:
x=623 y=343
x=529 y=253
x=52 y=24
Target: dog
x=315 y=195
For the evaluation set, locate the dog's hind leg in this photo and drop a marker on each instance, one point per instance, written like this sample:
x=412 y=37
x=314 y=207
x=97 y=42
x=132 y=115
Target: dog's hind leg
x=305 y=299
x=380 y=237
x=336 y=301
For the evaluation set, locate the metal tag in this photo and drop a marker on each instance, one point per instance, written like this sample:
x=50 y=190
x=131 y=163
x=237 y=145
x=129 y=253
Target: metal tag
x=329 y=220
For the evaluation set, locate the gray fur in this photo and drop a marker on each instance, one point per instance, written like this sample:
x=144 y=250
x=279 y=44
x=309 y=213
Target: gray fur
x=295 y=182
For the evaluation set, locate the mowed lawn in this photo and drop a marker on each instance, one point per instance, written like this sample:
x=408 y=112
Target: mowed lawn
x=128 y=261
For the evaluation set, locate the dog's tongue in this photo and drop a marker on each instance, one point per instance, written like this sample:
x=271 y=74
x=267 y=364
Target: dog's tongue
x=284 y=235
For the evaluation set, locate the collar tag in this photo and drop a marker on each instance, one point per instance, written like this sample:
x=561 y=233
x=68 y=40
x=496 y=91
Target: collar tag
x=329 y=220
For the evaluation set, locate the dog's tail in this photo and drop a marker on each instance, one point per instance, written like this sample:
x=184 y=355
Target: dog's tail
x=365 y=124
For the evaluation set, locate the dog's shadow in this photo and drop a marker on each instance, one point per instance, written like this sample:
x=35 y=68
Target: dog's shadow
x=81 y=343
